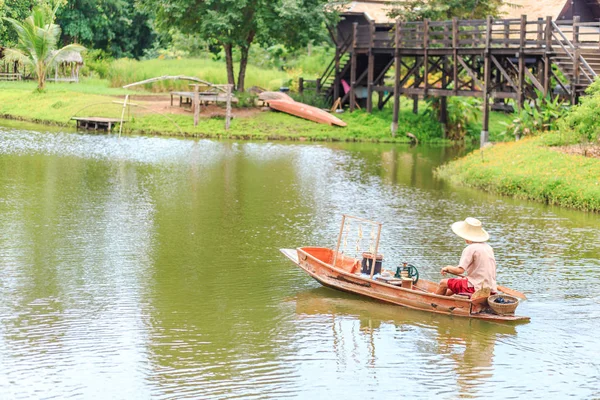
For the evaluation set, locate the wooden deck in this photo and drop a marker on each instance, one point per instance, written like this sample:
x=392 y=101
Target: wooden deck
x=96 y=123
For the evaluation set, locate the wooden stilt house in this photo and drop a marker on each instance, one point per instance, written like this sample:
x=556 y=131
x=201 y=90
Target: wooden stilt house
x=530 y=49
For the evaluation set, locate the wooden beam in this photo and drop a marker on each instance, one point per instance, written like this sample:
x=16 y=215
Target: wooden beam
x=469 y=72
x=503 y=72
x=397 y=74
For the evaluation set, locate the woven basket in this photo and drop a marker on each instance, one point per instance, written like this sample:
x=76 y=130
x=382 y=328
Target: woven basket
x=503 y=308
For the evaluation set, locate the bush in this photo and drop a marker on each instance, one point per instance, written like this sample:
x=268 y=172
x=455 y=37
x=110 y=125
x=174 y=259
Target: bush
x=96 y=63
x=462 y=112
x=539 y=115
x=582 y=123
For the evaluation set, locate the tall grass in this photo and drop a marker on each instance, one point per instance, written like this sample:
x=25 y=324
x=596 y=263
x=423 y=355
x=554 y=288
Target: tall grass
x=125 y=71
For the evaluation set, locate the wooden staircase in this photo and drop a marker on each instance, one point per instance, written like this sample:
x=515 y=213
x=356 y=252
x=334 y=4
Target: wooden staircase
x=578 y=62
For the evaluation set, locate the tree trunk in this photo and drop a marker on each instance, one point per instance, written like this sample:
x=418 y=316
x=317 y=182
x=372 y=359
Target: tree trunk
x=243 y=64
x=244 y=50
x=229 y=63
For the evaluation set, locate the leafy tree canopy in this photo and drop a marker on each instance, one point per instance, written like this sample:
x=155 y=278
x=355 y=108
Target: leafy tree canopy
x=237 y=24
x=116 y=26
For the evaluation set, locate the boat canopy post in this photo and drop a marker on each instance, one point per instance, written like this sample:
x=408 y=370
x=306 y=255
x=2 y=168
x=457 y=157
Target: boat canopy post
x=337 y=248
x=345 y=221
x=376 y=249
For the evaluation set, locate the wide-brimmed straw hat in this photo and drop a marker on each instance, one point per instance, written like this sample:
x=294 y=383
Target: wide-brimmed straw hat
x=470 y=229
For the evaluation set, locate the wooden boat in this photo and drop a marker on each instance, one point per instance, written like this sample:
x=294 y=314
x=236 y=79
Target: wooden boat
x=305 y=111
x=345 y=275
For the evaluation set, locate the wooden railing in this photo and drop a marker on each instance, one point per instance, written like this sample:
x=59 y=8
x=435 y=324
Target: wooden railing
x=10 y=77
x=507 y=33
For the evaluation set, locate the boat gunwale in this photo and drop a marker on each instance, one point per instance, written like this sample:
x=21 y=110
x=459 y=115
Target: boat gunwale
x=419 y=292
x=480 y=316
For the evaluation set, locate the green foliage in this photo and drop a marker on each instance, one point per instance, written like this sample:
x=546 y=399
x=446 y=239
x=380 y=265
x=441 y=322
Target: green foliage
x=15 y=9
x=120 y=28
x=582 y=123
x=311 y=98
x=539 y=115
x=245 y=100
x=237 y=24
x=37 y=43
x=417 y=10
x=462 y=112
x=96 y=63
x=125 y=71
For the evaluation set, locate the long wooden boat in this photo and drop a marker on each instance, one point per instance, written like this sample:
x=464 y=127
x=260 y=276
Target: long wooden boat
x=305 y=111
x=333 y=269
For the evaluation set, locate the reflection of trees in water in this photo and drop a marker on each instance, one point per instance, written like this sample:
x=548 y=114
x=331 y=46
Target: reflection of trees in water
x=468 y=343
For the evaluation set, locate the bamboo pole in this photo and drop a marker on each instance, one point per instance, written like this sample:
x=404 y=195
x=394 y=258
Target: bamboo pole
x=228 y=111
x=337 y=247
x=123 y=114
x=376 y=250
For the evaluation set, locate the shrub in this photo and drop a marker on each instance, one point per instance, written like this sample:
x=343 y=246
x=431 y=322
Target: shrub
x=539 y=115
x=462 y=111
x=583 y=121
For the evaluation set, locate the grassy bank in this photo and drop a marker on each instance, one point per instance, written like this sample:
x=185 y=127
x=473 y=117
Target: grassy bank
x=60 y=102
x=529 y=169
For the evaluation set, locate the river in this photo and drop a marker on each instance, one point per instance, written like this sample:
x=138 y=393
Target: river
x=148 y=267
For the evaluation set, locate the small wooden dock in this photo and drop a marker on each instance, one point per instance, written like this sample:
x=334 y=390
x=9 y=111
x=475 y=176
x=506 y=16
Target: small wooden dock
x=96 y=123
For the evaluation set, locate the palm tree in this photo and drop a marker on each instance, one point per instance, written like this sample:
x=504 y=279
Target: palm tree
x=38 y=37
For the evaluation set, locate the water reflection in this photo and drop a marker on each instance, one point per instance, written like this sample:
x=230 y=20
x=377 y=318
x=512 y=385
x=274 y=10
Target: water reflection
x=454 y=345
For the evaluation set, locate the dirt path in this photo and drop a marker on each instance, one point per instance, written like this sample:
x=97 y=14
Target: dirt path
x=162 y=104
x=587 y=150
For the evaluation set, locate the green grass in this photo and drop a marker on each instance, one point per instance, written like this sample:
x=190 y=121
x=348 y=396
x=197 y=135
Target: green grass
x=125 y=71
x=94 y=97
x=529 y=169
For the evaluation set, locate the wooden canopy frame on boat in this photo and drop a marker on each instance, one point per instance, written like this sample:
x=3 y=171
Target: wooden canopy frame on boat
x=339 y=241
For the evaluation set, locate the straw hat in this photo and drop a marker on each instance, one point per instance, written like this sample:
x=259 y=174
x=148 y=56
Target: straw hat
x=470 y=229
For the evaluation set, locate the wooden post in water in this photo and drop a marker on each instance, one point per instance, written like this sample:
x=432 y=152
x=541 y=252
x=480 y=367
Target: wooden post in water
x=122 y=115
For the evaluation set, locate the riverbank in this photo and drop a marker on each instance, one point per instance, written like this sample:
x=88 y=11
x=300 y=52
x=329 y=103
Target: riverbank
x=154 y=115
x=530 y=169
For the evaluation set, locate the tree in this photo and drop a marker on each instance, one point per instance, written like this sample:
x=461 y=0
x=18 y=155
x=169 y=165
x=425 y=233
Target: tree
x=16 y=9
x=37 y=39
x=118 y=27
x=417 y=10
x=237 y=24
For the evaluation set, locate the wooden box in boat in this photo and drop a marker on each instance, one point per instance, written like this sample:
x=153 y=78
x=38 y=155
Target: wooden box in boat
x=345 y=275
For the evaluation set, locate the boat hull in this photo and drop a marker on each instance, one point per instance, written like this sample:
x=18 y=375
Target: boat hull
x=317 y=262
x=305 y=111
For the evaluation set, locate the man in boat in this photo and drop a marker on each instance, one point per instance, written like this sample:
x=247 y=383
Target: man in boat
x=477 y=260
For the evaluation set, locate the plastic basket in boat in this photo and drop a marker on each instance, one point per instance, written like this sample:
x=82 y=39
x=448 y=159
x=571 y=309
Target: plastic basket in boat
x=508 y=307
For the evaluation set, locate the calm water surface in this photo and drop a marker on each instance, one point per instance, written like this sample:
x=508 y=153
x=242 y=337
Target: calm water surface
x=144 y=267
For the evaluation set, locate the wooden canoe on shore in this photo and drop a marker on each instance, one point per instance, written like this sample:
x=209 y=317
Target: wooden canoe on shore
x=345 y=276
x=305 y=111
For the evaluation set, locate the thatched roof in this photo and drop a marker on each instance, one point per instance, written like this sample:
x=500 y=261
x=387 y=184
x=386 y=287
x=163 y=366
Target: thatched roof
x=70 y=57
x=375 y=10
x=534 y=9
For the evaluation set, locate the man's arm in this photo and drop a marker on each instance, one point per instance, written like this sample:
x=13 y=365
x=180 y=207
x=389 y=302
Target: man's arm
x=453 y=270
